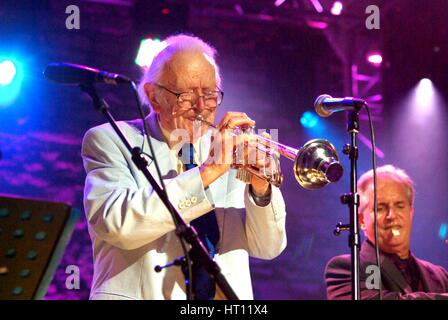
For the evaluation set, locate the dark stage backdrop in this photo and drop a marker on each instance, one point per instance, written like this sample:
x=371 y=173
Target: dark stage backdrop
x=273 y=72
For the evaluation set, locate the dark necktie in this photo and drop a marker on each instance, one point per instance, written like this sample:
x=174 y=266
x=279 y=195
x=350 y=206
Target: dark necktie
x=208 y=231
x=410 y=272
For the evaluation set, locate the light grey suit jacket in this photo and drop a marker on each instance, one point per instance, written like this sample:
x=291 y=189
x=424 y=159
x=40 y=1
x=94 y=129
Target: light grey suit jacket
x=132 y=231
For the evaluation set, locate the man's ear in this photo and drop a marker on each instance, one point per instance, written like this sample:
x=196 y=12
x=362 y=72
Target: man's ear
x=364 y=205
x=361 y=221
x=150 y=91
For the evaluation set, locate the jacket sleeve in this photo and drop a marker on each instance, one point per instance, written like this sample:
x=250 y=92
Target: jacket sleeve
x=265 y=226
x=118 y=210
x=338 y=281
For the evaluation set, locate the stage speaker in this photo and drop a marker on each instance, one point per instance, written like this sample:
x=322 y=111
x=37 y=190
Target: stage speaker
x=33 y=236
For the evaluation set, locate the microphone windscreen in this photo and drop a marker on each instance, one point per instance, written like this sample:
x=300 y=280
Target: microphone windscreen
x=67 y=73
x=319 y=105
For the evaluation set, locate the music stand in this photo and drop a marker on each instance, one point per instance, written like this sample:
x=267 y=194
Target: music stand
x=33 y=236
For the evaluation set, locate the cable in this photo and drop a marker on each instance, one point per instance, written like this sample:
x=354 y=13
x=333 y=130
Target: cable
x=154 y=158
x=375 y=203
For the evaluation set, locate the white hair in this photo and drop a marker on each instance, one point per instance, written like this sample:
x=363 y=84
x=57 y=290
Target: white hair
x=366 y=180
x=176 y=44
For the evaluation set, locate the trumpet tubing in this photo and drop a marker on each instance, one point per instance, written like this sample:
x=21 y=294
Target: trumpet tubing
x=316 y=163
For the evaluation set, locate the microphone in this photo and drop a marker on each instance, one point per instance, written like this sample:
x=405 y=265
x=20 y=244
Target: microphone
x=325 y=105
x=74 y=74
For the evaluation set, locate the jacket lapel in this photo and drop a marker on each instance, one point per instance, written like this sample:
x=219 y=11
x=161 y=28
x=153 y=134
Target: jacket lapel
x=159 y=145
x=426 y=278
x=389 y=272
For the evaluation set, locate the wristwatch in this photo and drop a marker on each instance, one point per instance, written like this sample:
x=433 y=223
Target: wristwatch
x=260 y=201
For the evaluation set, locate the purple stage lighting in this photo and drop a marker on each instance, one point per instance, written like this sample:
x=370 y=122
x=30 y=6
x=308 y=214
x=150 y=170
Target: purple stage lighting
x=336 y=9
x=375 y=58
x=278 y=3
x=316 y=4
x=317 y=24
x=424 y=95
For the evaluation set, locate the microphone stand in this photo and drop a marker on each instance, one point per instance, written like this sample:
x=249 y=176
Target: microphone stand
x=353 y=203
x=183 y=229
x=351 y=199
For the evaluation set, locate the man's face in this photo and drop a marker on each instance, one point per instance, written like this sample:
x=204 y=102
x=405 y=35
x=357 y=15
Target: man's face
x=394 y=216
x=185 y=72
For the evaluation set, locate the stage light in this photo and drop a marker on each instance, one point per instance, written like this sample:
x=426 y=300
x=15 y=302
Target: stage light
x=278 y=3
x=425 y=85
x=7 y=72
x=309 y=119
x=443 y=231
x=149 y=48
x=316 y=4
x=317 y=24
x=424 y=95
x=426 y=103
x=11 y=77
x=336 y=9
x=375 y=58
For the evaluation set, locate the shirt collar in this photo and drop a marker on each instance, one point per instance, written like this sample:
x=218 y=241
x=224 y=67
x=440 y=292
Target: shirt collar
x=393 y=256
x=200 y=147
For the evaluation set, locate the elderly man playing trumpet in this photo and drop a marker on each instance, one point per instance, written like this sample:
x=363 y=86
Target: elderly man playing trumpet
x=130 y=228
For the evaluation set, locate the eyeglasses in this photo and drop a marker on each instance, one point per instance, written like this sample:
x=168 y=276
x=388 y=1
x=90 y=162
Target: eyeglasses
x=187 y=100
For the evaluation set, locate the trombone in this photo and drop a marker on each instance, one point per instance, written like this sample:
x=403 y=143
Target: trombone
x=316 y=163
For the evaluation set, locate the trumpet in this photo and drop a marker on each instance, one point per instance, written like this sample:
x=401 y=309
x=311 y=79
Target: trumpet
x=316 y=163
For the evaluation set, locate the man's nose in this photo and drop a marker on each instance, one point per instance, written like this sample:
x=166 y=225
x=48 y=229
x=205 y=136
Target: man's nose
x=200 y=102
x=391 y=214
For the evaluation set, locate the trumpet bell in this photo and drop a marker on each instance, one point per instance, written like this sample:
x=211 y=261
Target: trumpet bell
x=317 y=164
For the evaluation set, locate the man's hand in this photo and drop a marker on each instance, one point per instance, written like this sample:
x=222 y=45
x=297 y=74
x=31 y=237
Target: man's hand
x=228 y=150
x=260 y=186
x=223 y=146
